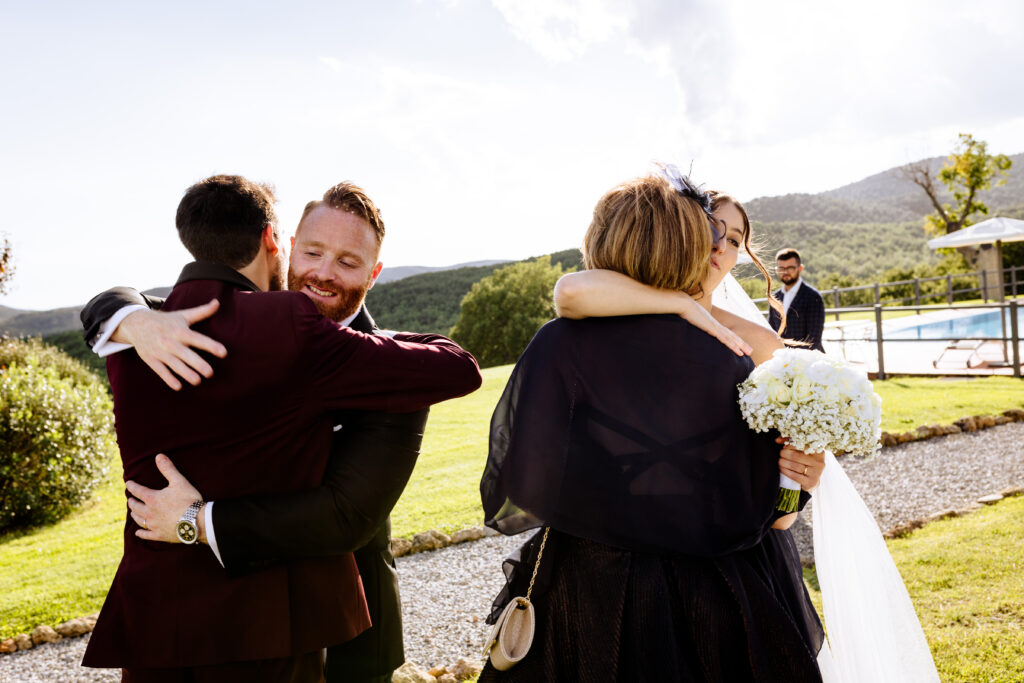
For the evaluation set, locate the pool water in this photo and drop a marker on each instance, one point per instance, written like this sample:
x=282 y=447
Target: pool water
x=985 y=324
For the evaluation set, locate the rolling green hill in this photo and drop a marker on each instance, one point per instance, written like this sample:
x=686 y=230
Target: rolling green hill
x=881 y=198
x=39 y=323
x=860 y=251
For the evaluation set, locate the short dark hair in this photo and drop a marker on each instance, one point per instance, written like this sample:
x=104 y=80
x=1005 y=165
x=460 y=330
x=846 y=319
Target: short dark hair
x=788 y=253
x=347 y=196
x=221 y=218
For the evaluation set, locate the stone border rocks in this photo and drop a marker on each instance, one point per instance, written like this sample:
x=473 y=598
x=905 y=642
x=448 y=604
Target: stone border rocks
x=901 y=530
x=462 y=670
x=964 y=424
x=47 y=634
x=435 y=540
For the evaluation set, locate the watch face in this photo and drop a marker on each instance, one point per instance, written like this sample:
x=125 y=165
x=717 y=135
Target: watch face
x=186 y=531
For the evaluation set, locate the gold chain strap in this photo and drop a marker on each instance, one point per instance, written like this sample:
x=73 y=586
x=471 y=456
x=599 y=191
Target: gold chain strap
x=536 y=565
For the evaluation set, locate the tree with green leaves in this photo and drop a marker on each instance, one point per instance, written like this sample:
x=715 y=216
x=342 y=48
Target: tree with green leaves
x=6 y=265
x=968 y=171
x=502 y=312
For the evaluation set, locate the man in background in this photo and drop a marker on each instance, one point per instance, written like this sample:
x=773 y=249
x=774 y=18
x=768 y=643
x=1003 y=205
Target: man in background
x=805 y=310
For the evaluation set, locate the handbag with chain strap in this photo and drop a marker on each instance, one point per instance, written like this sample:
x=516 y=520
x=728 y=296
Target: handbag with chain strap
x=512 y=635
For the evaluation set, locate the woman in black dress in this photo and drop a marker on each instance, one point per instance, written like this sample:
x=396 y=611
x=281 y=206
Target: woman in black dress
x=623 y=435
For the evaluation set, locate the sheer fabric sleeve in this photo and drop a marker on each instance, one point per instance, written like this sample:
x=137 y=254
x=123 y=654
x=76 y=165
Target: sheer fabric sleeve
x=529 y=437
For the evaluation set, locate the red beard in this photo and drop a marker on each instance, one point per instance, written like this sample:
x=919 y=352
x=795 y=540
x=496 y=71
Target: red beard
x=337 y=309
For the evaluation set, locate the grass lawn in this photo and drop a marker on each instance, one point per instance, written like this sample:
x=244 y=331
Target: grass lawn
x=444 y=491
x=909 y=402
x=966 y=578
x=63 y=571
x=59 y=572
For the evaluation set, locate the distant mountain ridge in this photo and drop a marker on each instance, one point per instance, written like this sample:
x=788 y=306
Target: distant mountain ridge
x=880 y=198
x=400 y=272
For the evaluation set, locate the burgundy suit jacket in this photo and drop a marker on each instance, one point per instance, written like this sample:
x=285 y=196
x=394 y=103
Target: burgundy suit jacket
x=261 y=424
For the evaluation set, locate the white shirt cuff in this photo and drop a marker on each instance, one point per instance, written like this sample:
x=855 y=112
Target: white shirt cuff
x=211 y=537
x=103 y=346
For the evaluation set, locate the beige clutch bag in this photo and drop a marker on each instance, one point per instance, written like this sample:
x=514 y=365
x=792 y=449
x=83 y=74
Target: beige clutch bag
x=512 y=635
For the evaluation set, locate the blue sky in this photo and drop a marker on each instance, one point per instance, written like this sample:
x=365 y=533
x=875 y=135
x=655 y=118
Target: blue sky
x=483 y=129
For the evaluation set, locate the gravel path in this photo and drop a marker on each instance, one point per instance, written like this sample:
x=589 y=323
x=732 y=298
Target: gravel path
x=447 y=593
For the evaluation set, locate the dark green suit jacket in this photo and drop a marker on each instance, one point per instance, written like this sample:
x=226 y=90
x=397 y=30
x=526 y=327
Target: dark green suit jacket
x=372 y=457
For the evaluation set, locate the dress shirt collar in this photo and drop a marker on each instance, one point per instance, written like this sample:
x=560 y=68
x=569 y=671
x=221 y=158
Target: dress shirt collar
x=788 y=295
x=348 y=321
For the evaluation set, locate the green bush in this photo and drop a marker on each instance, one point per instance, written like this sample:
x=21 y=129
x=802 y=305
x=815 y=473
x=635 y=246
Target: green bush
x=56 y=433
x=502 y=312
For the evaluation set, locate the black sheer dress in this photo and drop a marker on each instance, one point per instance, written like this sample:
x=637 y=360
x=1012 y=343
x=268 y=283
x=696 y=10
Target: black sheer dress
x=625 y=437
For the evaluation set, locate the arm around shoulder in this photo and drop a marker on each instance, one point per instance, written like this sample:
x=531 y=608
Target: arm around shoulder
x=348 y=370
x=602 y=293
x=102 y=306
x=763 y=341
x=461 y=369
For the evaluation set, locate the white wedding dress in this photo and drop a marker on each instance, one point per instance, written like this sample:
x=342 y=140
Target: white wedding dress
x=873 y=634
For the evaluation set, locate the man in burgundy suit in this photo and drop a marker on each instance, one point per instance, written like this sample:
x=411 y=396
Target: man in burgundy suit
x=172 y=614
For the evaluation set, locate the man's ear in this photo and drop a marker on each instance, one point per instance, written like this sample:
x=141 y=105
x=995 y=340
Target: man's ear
x=376 y=272
x=270 y=240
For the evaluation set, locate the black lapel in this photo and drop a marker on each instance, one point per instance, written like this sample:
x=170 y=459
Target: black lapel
x=363 y=322
x=801 y=295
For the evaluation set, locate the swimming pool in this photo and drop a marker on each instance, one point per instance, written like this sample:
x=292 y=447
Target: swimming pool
x=972 y=326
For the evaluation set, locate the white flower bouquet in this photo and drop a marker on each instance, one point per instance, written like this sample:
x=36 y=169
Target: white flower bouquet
x=817 y=402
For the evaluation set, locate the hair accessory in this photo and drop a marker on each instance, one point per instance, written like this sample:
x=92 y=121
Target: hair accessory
x=685 y=187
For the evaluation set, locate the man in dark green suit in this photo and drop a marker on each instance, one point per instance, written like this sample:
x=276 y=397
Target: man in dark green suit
x=334 y=262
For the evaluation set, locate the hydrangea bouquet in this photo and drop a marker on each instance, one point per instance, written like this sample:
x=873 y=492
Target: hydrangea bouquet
x=819 y=403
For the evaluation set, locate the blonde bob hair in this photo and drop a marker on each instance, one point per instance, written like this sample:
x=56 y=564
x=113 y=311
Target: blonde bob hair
x=644 y=229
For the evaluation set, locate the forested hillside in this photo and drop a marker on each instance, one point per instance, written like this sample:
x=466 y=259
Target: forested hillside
x=888 y=187
x=429 y=302
x=818 y=207
x=881 y=198
x=859 y=251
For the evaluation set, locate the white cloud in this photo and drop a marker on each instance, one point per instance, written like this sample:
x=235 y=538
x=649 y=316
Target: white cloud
x=333 y=63
x=561 y=30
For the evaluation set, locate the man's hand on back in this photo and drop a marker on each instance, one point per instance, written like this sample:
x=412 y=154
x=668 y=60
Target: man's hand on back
x=165 y=342
x=157 y=511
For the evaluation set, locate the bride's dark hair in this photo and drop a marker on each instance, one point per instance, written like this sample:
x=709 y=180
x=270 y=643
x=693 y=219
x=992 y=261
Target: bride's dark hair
x=717 y=200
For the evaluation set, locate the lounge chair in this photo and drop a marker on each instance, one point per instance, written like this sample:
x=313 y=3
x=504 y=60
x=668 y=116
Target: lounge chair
x=958 y=347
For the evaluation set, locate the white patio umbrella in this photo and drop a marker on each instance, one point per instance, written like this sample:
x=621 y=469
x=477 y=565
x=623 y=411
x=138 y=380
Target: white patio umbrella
x=986 y=232
x=994 y=231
